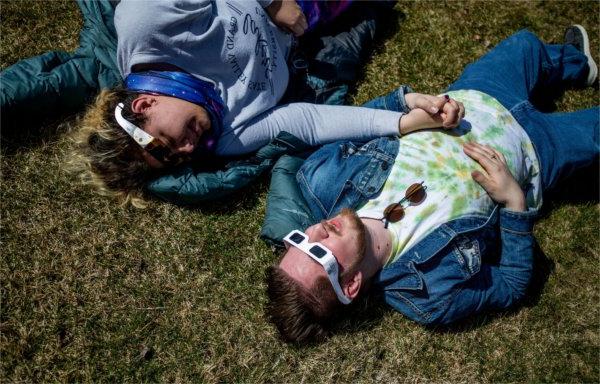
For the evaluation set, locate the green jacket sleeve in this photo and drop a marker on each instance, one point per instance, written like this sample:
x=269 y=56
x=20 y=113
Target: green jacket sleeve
x=286 y=207
x=185 y=186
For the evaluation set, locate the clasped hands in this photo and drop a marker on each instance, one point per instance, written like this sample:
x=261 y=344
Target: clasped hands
x=428 y=111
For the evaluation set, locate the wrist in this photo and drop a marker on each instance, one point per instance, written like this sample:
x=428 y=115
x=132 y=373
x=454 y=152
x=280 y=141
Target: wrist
x=406 y=124
x=516 y=203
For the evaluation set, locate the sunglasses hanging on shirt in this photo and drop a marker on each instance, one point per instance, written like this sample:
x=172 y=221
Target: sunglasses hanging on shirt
x=415 y=194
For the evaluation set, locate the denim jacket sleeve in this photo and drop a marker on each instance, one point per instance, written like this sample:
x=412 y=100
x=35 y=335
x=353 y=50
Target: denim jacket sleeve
x=501 y=285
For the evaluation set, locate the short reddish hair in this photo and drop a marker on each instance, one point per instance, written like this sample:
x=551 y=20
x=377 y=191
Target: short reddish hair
x=301 y=315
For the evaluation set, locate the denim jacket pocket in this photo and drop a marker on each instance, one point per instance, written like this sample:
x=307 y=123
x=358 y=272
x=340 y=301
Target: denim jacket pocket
x=468 y=254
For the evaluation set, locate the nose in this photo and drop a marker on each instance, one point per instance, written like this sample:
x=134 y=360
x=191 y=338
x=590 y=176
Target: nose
x=317 y=232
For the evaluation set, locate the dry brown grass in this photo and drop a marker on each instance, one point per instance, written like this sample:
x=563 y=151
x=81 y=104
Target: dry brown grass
x=91 y=291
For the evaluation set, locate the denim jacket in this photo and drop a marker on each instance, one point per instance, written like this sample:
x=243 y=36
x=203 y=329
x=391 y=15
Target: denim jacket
x=463 y=267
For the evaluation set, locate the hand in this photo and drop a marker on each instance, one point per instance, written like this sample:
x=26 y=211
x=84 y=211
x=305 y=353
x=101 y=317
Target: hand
x=442 y=111
x=499 y=183
x=288 y=15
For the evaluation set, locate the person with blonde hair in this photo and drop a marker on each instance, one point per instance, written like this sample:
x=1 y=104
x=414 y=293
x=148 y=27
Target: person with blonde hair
x=206 y=77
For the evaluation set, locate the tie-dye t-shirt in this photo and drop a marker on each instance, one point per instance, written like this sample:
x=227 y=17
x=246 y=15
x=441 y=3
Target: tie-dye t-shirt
x=436 y=157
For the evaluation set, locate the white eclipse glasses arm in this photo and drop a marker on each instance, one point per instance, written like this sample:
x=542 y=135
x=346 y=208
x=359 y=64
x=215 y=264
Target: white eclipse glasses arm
x=140 y=136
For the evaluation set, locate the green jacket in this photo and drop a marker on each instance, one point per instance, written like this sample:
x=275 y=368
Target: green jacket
x=187 y=186
x=57 y=83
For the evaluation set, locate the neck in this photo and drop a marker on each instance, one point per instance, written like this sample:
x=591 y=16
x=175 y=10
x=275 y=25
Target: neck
x=379 y=246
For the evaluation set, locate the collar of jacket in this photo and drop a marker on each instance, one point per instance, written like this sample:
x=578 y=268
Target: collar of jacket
x=345 y=174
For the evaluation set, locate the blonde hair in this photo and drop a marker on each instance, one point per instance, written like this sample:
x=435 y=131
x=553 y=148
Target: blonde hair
x=105 y=156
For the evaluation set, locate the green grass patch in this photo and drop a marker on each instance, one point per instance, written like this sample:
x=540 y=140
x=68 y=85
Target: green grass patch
x=92 y=291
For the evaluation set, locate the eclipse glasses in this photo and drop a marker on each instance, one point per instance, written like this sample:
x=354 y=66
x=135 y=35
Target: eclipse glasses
x=322 y=255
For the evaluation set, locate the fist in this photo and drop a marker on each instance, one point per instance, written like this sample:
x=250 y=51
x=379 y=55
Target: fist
x=288 y=15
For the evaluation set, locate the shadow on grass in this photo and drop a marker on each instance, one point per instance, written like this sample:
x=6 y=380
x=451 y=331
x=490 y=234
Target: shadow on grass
x=30 y=132
x=389 y=21
x=364 y=315
x=368 y=313
x=245 y=198
x=583 y=186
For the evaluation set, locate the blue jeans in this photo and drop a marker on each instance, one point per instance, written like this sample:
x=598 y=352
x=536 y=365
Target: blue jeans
x=522 y=72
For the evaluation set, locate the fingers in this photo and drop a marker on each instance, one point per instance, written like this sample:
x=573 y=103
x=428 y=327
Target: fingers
x=461 y=112
x=300 y=25
x=487 y=150
x=482 y=155
x=494 y=155
x=451 y=110
x=438 y=103
x=499 y=155
x=452 y=113
x=289 y=16
x=474 y=151
x=481 y=179
x=297 y=30
x=303 y=22
x=443 y=110
x=431 y=104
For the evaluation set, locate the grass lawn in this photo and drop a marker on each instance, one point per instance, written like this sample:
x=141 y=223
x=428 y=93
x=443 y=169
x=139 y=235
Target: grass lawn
x=92 y=291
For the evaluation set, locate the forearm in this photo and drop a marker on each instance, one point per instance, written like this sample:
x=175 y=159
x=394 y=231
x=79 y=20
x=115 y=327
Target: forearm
x=314 y=124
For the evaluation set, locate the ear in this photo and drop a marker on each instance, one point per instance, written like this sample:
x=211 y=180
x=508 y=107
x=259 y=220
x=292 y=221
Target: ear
x=351 y=287
x=142 y=103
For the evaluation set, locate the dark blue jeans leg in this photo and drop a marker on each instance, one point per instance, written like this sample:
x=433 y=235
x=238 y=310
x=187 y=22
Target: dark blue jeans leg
x=521 y=67
x=522 y=71
x=564 y=142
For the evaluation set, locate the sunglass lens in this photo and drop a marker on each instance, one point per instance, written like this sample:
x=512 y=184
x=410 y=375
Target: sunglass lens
x=415 y=193
x=318 y=251
x=394 y=213
x=297 y=238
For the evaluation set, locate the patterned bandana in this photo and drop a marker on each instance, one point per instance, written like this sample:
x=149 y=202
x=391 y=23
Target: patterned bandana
x=185 y=87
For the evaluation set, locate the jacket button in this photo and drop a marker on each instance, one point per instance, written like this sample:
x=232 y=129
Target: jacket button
x=371 y=189
x=385 y=165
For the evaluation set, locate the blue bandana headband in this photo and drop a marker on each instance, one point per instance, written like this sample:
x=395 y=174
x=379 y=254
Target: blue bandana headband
x=185 y=87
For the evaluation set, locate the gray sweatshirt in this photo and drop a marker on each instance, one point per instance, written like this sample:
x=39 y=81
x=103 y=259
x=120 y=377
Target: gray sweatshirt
x=235 y=45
